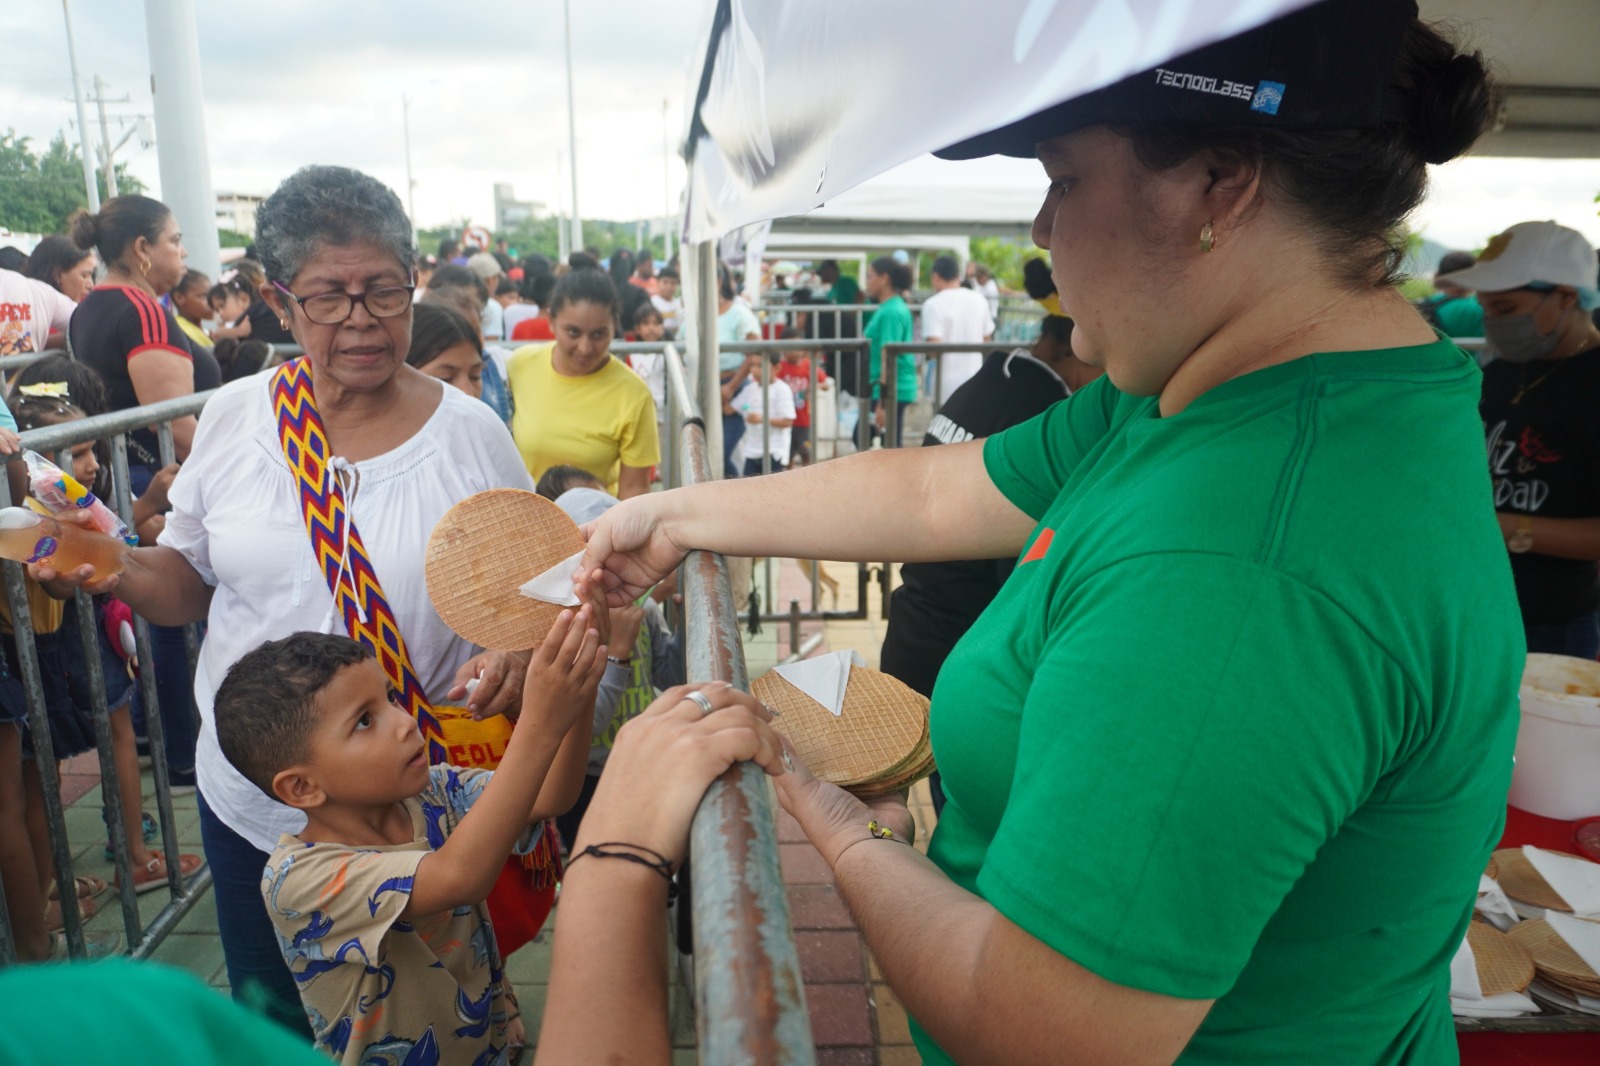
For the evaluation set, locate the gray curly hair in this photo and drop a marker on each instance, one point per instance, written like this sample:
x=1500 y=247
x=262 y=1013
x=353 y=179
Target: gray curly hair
x=322 y=206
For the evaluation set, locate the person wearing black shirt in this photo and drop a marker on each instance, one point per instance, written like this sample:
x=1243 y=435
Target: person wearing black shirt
x=937 y=602
x=1541 y=416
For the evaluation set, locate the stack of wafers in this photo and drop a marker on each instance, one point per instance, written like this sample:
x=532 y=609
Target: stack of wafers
x=1564 y=979
x=1503 y=964
x=480 y=554
x=1530 y=894
x=876 y=745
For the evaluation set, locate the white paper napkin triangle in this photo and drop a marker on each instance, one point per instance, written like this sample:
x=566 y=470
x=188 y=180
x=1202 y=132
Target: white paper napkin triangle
x=1582 y=937
x=1464 y=982
x=1576 y=880
x=555 y=584
x=1494 y=905
x=823 y=677
x=1505 y=1005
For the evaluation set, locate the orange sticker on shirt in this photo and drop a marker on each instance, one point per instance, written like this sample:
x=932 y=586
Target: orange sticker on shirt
x=1040 y=546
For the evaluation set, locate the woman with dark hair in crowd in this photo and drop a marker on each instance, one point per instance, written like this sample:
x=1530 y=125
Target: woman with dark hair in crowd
x=576 y=403
x=1245 y=711
x=63 y=266
x=888 y=280
x=445 y=346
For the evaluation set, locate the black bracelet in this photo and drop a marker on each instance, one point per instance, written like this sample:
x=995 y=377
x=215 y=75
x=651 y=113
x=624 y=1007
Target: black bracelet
x=660 y=863
x=616 y=662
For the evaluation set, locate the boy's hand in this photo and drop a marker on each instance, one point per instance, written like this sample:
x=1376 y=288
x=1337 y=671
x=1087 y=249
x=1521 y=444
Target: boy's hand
x=564 y=674
x=10 y=443
x=625 y=623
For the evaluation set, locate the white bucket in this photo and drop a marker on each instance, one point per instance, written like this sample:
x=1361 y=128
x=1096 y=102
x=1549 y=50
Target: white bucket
x=1558 y=745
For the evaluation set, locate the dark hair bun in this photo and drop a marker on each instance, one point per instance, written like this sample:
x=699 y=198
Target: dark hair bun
x=82 y=229
x=1453 y=99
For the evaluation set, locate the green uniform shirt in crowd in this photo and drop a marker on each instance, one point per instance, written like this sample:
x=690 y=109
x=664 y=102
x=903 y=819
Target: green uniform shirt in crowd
x=844 y=291
x=1240 y=725
x=124 y=1011
x=891 y=324
x=1460 y=316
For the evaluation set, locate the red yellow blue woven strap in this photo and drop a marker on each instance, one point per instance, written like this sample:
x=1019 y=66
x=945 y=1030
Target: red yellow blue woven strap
x=352 y=580
x=356 y=592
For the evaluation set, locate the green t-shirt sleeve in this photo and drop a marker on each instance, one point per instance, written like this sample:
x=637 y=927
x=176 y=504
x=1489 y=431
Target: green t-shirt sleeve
x=1029 y=463
x=1176 y=774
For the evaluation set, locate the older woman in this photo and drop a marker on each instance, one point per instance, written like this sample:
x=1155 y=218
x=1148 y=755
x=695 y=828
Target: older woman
x=576 y=403
x=401 y=449
x=1227 y=754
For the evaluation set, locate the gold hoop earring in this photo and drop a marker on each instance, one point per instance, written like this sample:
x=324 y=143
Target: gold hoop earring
x=1208 y=240
x=144 y=268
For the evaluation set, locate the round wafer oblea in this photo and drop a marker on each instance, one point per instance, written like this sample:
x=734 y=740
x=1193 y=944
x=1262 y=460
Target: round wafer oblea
x=1503 y=964
x=1554 y=957
x=879 y=736
x=483 y=551
x=1520 y=881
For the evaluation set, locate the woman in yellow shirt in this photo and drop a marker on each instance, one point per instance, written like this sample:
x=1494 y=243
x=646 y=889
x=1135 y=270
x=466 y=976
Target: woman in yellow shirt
x=576 y=403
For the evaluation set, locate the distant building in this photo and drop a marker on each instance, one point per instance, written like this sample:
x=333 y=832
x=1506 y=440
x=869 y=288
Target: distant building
x=237 y=211
x=509 y=212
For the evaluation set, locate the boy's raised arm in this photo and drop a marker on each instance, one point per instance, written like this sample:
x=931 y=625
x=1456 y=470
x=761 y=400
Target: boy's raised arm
x=558 y=697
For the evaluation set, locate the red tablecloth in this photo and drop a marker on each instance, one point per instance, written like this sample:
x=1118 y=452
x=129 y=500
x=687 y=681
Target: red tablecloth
x=1532 y=1049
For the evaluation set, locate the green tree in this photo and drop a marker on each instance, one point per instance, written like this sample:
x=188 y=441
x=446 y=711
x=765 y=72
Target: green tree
x=1004 y=257
x=232 y=238
x=38 y=192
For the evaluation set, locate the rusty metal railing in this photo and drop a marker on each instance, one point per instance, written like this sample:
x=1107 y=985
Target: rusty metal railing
x=749 y=995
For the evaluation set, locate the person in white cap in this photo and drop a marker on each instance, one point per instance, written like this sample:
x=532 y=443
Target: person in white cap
x=1541 y=411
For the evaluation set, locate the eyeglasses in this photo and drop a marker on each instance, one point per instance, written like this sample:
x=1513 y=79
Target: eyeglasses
x=332 y=308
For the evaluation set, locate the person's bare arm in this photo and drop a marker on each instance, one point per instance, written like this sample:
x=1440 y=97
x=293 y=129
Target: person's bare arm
x=984 y=988
x=559 y=691
x=632 y=481
x=1564 y=538
x=896 y=504
x=157 y=375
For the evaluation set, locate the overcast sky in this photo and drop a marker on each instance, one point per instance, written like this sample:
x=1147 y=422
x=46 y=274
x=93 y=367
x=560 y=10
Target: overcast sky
x=289 y=82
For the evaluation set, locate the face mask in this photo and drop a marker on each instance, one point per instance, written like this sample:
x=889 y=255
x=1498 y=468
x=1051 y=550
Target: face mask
x=1517 y=340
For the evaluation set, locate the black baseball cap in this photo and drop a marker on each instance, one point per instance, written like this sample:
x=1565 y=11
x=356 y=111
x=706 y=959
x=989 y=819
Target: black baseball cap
x=1327 y=66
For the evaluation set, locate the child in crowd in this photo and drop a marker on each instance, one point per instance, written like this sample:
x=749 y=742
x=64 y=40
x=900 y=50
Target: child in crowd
x=652 y=366
x=774 y=405
x=379 y=902
x=230 y=300
x=666 y=301
x=240 y=358
x=445 y=346
x=795 y=371
x=560 y=479
x=189 y=300
x=642 y=644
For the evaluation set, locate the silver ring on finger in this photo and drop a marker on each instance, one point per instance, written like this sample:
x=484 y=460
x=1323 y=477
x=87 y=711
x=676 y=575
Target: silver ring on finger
x=702 y=701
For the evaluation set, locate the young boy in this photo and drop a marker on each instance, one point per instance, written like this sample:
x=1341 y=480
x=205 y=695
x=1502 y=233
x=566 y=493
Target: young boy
x=795 y=371
x=773 y=405
x=378 y=903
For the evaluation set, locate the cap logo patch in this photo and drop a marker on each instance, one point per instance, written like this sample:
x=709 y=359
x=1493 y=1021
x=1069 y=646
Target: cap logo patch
x=1269 y=95
x=1199 y=83
x=1497 y=247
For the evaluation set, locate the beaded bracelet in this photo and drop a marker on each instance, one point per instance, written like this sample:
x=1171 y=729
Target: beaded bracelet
x=660 y=864
x=883 y=832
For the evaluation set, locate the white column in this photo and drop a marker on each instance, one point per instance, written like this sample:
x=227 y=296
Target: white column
x=181 y=147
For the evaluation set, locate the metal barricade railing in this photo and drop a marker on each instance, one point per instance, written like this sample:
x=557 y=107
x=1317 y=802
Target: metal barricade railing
x=57 y=442
x=749 y=994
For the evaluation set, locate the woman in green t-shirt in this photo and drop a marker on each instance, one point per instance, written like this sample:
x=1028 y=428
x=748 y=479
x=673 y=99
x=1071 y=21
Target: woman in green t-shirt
x=1227 y=754
x=888 y=280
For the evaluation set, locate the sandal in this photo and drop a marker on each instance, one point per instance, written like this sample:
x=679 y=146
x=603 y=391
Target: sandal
x=95 y=946
x=147 y=826
x=154 y=873
x=55 y=920
x=88 y=888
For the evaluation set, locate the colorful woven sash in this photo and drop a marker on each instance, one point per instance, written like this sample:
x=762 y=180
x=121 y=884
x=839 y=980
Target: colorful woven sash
x=360 y=600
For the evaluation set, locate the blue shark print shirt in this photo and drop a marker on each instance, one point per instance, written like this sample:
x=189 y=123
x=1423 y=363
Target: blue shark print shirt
x=379 y=990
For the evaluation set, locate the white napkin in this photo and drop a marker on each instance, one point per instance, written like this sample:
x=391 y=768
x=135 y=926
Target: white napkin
x=1466 y=993
x=1565 y=997
x=1494 y=905
x=823 y=677
x=1582 y=937
x=555 y=584
x=1576 y=880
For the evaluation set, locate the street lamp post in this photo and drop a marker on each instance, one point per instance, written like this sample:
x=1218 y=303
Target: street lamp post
x=666 y=184
x=411 y=183
x=83 y=122
x=576 y=237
